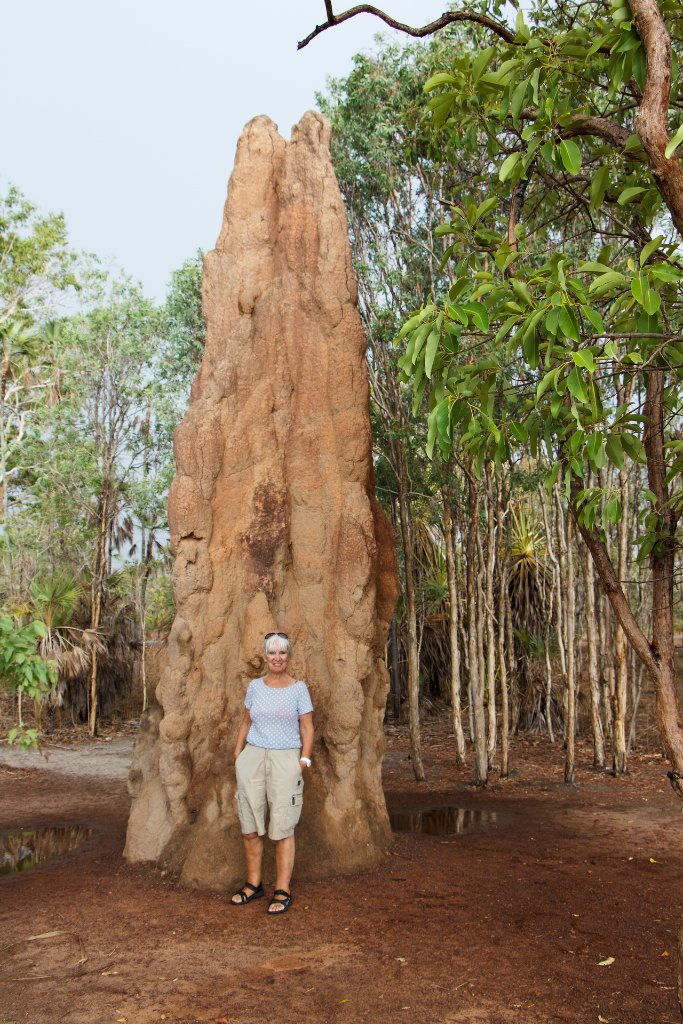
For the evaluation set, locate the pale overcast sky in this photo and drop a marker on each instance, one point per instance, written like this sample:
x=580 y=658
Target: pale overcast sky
x=125 y=115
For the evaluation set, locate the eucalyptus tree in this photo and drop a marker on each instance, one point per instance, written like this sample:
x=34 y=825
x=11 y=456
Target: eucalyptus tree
x=36 y=268
x=90 y=444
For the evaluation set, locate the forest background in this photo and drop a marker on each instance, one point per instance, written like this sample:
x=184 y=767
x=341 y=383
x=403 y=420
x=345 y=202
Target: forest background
x=516 y=244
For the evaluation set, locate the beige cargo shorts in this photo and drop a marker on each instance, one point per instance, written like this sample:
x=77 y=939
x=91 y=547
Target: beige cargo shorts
x=272 y=779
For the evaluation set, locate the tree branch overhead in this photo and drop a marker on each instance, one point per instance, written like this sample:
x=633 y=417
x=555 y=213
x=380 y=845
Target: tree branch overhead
x=450 y=18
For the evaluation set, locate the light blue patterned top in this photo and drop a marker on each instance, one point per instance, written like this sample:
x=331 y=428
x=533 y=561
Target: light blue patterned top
x=275 y=714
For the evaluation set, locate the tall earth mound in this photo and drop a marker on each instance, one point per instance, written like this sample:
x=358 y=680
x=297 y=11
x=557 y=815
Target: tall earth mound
x=274 y=524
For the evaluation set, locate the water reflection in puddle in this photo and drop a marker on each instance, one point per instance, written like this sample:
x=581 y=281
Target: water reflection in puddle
x=24 y=849
x=442 y=821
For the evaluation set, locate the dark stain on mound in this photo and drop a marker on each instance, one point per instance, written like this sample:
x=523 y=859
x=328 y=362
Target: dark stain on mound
x=266 y=535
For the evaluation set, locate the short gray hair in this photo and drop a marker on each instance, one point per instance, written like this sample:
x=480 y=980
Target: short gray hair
x=283 y=642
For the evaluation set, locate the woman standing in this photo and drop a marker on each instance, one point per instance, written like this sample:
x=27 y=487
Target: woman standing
x=273 y=748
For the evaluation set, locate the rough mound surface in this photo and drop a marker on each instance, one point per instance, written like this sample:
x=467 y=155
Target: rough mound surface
x=274 y=524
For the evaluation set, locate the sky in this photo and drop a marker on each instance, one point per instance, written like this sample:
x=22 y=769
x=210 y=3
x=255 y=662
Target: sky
x=124 y=116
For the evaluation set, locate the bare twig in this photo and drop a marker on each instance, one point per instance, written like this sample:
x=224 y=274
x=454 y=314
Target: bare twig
x=449 y=18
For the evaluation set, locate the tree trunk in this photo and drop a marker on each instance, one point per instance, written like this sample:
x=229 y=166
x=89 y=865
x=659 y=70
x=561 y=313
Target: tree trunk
x=592 y=641
x=502 y=662
x=453 y=617
x=619 y=754
x=410 y=612
x=476 y=682
x=99 y=569
x=490 y=618
x=569 y=764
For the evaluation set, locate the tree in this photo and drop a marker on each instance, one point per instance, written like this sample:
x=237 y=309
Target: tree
x=23 y=669
x=555 y=332
x=567 y=328
x=36 y=266
x=91 y=445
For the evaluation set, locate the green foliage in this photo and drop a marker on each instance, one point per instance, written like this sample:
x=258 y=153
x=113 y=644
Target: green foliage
x=35 y=260
x=566 y=279
x=55 y=598
x=22 y=669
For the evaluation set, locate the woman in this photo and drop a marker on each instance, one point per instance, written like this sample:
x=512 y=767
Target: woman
x=274 y=746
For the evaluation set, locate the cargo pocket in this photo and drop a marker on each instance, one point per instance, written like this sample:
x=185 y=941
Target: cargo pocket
x=296 y=806
x=286 y=816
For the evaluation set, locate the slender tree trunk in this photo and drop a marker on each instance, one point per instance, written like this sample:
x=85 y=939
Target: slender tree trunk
x=411 y=613
x=476 y=682
x=479 y=620
x=99 y=569
x=636 y=693
x=606 y=664
x=569 y=766
x=502 y=660
x=490 y=618
x=592 y=640
x=548 y=665
x=512 y=665
x=453 y=616
x=619 y=755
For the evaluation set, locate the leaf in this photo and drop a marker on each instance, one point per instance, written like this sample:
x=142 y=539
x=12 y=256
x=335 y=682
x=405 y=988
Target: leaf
x=441 y=78
x=432 y=346
x=584 y=357
x=486 y=207
x=594 y=318
x=408 y=326
x=614 y=449
x=599 y=186
x=606 y=282
x=568 y=324
x=517 y=99
x=630 y=193
x=576 y=386
x=521 y=291
x=606 y=963
x=418 y=341
x=519 y=432
x=650 y=248
x=509 y=165
x=457 y=288
x=481 y=62
x=570 y=155
x=440 y=107
x=594 y=268
x=612 y=509
x=674 y=143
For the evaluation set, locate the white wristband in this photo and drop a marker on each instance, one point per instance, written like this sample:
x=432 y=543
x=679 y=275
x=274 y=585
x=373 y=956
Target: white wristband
x=306 y=761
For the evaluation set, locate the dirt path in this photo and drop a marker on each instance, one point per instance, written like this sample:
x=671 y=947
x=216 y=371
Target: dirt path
x=517 y=921
x=99 y=758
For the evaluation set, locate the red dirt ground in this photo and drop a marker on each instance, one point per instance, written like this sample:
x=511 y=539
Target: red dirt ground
x=506 y=924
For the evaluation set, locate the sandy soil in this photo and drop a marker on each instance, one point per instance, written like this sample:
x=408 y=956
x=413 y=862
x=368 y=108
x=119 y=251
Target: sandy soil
x=564 y=907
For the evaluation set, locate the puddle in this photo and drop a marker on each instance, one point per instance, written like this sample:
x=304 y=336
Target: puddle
x=24 y=849
x=442 y=821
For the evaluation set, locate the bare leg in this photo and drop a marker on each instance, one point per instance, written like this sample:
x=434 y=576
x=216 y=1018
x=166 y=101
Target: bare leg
x=253 y=855
x=284 y=866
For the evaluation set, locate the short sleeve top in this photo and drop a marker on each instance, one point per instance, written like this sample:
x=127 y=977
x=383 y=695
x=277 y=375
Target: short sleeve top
x=275 y=713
